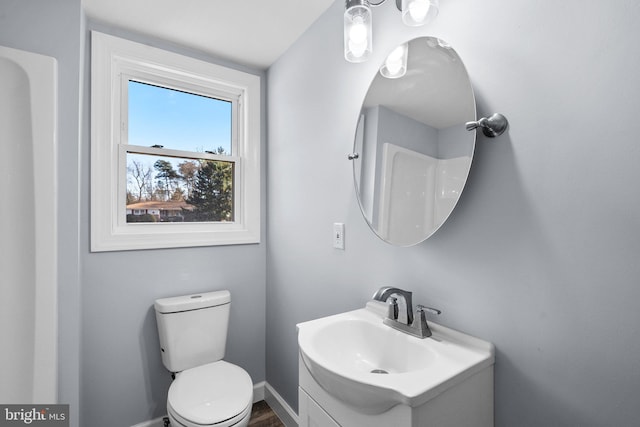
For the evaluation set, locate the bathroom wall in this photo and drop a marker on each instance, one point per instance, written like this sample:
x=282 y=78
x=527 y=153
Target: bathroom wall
x=53 y=29
x=405 y=132
x=541 y=255
x=123 y=379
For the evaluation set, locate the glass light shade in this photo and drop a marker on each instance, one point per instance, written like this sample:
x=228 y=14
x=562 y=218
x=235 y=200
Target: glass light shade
x=357 y=31
x=395 y=66
x=419 y=12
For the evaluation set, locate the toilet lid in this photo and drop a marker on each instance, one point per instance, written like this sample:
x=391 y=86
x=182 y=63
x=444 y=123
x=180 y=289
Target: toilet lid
x=211 y=393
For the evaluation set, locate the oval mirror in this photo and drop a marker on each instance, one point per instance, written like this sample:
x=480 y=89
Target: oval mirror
x=412 y=152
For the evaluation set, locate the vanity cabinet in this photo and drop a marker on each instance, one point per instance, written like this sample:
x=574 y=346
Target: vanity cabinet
x=467 y=404
x=311 y=414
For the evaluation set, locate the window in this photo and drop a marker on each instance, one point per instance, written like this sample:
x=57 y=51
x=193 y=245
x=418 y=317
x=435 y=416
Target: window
x=179 y=154
x=175 y=150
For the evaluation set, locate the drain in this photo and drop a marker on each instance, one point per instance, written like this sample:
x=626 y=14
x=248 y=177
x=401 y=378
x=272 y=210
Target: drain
x=379 y=371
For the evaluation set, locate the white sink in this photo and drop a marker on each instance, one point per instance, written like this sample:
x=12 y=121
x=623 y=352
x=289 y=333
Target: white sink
x=372 y=367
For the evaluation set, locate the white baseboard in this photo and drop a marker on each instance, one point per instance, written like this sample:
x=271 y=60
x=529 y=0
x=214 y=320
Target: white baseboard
x=258 y=391
x=261 y=391
x=280 y=406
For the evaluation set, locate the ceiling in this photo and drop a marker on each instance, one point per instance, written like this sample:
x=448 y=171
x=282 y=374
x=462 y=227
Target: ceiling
x=249 y=32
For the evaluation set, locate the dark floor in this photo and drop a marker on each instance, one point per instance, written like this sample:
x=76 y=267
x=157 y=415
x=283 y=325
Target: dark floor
x=263 y=416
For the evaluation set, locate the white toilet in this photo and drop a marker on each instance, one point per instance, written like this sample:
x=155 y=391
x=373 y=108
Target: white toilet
x=207 y=391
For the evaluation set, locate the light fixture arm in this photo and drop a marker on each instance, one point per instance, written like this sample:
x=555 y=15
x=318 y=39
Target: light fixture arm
x=492 y=126
x=381 y=2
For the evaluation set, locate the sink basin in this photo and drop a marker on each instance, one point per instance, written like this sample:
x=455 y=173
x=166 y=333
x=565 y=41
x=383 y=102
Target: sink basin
x=373 y=367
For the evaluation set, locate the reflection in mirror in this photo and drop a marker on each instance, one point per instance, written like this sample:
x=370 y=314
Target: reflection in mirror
x=414 y=152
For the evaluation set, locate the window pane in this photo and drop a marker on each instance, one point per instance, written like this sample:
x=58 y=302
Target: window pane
x=169 y=189
x=178 y=120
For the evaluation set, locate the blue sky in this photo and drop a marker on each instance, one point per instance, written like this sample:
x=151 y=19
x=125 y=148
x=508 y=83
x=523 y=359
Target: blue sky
x=177 y=120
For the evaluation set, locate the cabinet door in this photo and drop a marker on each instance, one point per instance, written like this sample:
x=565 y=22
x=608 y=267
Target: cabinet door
x=311 y=414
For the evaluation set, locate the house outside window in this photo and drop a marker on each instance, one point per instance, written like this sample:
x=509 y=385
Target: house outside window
x=175 y=150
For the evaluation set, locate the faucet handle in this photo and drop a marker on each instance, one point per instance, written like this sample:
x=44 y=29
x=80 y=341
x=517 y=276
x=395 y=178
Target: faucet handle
x=431 y=310
x=420 y=321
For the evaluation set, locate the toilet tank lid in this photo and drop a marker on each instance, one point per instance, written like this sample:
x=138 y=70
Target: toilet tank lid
x=192 y=302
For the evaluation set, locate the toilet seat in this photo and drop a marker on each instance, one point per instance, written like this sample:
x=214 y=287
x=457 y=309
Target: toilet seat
x=217 y=394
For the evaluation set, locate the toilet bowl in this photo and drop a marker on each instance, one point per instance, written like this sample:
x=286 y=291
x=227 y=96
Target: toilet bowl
x=207 y=391
x=217 y=394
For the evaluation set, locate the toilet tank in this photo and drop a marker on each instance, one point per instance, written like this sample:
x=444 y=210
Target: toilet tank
x=192 y=329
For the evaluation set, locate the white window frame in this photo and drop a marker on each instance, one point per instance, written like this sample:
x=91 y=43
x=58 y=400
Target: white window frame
x=114 y=62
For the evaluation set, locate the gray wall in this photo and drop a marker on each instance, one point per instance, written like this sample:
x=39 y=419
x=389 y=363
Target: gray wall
x=122 y=372
x=541 y=256
x=53 y=29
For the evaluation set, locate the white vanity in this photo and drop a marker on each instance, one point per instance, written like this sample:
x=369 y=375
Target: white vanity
x=356 y=371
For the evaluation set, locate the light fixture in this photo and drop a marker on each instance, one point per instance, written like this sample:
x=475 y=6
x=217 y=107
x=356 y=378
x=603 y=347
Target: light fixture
x=358 y=26
x=357 y=30
x=418 y=12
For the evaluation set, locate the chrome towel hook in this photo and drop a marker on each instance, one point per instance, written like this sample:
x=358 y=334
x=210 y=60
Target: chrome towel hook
x=492 y=126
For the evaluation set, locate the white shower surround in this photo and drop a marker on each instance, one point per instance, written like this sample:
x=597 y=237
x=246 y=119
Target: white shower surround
x=418 y=193
x=28 y=247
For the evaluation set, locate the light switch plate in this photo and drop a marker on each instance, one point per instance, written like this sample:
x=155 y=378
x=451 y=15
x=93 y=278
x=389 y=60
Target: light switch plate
x=338 y=235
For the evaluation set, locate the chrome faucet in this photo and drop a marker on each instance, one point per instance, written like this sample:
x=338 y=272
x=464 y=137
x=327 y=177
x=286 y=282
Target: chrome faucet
x=416 y=326
x=385 y=293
